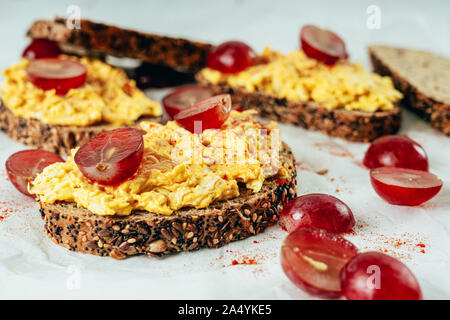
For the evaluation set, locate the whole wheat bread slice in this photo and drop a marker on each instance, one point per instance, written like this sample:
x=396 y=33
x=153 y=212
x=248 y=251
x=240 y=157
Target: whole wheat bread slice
x=350 y=125
x=423 y=77
x=188 y=229
x=99 y=39
x=56 y=138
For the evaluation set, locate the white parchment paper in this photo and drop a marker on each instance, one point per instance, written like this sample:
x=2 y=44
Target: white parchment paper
x=31 y=266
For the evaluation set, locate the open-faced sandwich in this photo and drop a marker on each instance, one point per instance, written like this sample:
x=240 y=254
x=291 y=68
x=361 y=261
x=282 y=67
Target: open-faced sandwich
x=316 y=88
x=423 y=77
x=65 y=89
x=213 y=176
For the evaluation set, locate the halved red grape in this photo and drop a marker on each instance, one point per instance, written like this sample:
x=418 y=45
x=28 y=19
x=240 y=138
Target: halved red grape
x=313 y=258
x=55 y=73
x=396 y=151
x=41 y=48
x=377 y=276
x=209 y=113
x=322 y=45
x=23 y=166
x=405 y=187
x=111 y=157
x=181 y=98
x=231 y=57
x=317 y=210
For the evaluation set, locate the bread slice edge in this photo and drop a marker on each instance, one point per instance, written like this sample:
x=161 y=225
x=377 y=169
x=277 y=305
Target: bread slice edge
x=435 y=112
x=177 y=53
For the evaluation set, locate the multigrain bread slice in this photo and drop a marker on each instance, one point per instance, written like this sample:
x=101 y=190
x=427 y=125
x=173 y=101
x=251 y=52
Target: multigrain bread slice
x=350 y=125
x=423 y=78
x=99 y=39
x=56 y=138
x=188 y=229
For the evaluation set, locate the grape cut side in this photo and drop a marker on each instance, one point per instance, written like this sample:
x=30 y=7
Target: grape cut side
x=23 y=166
x=405 y=187
x=312 y=259
x=58 y=74
x=322 y=45
x=183 y=97
x=111 y=157
x=209 y=113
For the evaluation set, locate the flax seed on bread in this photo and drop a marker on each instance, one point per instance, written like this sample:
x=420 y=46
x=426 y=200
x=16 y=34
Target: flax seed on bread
x=350 y=125
x=56 y=138
x=188 y=229
x=423 y=78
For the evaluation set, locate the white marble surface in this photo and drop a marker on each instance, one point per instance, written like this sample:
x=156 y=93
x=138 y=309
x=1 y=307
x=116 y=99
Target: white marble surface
x=31 y=266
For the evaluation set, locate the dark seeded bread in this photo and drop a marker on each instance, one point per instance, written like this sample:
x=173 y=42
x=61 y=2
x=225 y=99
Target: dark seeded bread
x=176 y=53
x=188 y=229
x=423 y=77
x=57 y=138
x=350 y=125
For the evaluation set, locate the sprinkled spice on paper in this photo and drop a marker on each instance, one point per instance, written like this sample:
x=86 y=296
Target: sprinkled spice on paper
x=403 y=246
x=334 y=149
x=4 y=213
x=244 y=260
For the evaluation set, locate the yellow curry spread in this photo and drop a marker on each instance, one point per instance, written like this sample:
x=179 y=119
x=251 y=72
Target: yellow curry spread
x=106 y=96
x=299 y=78
x=179 y=169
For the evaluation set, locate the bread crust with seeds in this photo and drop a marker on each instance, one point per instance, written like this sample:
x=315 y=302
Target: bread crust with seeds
x=188 y=229
x=56 y=138
x=180 y=54
x=350 y=125
x=429 y=107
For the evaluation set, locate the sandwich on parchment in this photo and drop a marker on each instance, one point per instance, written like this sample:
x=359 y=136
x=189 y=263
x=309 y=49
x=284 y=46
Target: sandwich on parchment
x=171 y=201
